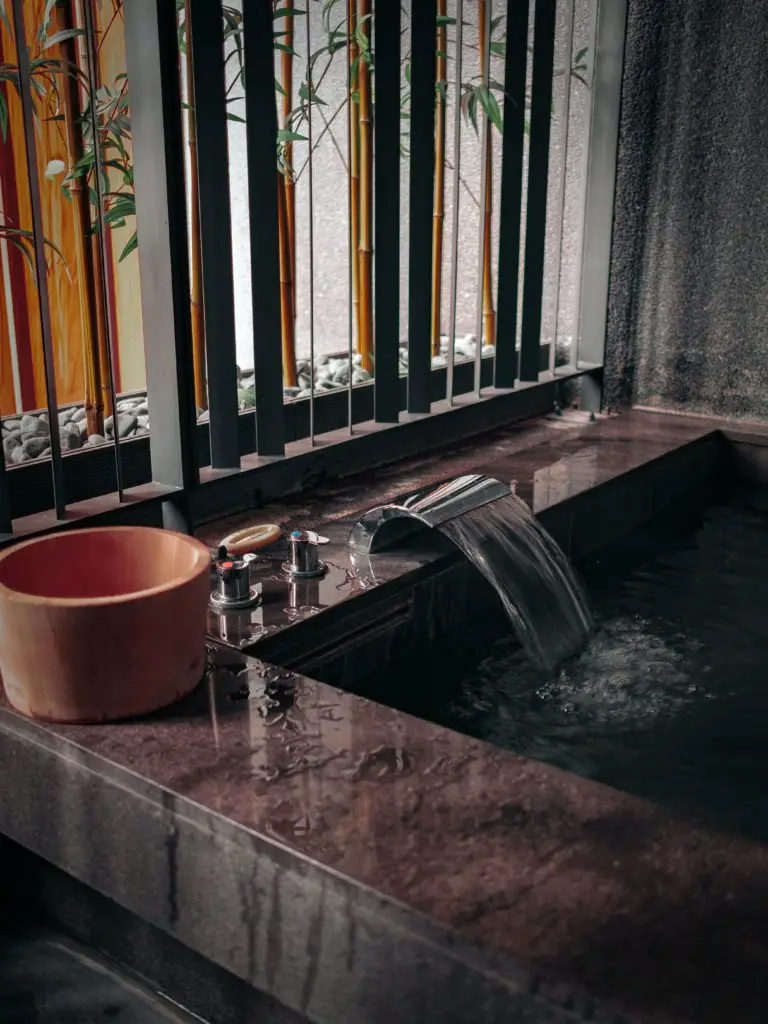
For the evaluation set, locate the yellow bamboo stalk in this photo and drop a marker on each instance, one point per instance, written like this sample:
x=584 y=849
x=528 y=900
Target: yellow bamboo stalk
x=354 y=165
x=489 y=314
x=365 y=245
x=438 y=205
x=196 y=263
x=89 y=269
x=286 y=75
x=287 y=321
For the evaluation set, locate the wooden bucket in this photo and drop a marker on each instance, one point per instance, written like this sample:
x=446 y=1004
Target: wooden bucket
x=102 y=624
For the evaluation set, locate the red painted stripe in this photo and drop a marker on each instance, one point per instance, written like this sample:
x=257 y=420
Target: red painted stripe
x=18 y=268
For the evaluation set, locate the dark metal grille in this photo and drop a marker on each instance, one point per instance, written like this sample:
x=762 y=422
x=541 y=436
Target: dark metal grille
x=193 y=470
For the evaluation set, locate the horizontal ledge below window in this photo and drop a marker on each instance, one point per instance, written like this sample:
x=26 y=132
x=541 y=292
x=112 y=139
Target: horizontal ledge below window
x=89 y=476
x=139 y=506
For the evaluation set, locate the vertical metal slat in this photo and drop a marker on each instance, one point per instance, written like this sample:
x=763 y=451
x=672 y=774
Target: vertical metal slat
x=422 y=173
x=41 y=269
x=152 y=58
x=511 y=192
x=562 y=184
x=352 y=252
x=215 y=229
x=387 y=210
x=6 y=519
x=311 y=215
x=456 y=199
x=261 y=131
x=538 y=171
x=485 y=184
x=601 y=185
x=101 y=229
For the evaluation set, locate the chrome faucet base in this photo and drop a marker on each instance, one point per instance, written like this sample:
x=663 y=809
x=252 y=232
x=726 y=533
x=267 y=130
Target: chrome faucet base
x=304 y=574
x=230 y=604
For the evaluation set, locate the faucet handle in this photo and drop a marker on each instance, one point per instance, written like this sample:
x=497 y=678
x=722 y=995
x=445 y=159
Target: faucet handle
x=304 y=561
x=233 y=576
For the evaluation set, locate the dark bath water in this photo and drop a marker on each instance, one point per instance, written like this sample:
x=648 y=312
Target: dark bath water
x=670 y=698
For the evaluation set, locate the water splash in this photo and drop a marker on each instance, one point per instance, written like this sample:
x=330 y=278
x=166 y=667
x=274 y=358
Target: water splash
x=539 y=589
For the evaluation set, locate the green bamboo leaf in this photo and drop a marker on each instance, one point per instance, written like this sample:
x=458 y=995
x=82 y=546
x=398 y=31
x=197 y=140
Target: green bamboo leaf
x=133 y=242
x=235 y=117
x=284 y=12
x=46 y=19
x=490 y=107
x=285 y=48
x=580 y=55
x=19 y=244
x=4 y=16
x=445 y=19
x=125 y=206
x=62 y=37
x=284 y=135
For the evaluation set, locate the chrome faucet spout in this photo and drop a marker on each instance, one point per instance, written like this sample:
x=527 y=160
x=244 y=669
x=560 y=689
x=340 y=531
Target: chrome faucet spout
x=429 y=506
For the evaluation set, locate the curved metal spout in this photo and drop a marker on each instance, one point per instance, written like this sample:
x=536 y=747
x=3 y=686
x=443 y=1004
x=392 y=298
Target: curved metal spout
x=429 y=506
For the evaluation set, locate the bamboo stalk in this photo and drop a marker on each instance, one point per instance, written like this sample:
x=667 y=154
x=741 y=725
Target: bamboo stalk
x=286 y=75
x=365 y=245
x=196 y=263
x=489 y=314
x=354 y=164
x=287 y=322
x=438 y=206
x=87 y=261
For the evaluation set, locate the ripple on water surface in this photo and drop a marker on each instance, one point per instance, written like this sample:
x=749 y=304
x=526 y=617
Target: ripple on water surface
x=670 y=698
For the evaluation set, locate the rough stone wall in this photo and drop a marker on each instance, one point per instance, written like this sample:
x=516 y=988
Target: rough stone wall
x=688 y=319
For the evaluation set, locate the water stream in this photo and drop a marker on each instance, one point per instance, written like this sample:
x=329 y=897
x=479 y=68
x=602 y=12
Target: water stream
x=540 y=591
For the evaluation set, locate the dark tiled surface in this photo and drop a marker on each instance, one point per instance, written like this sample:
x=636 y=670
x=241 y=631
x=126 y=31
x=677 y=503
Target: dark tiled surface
x=667 y=919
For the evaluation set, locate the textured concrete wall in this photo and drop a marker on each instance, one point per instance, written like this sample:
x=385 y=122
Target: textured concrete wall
x=688 y=323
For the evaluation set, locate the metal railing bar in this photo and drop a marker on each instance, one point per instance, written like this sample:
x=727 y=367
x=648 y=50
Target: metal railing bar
x=41 y=269
x=422 y=173
x=151 y=50
x=6 y=519
x=511 y=193
x=138 y=506
x=456 y=200
x=207 y=55
x=538 y=171
x=101 y=233
x=311 y=214
x=566 y=115
x=352 y=326
x=263 y=182
x=373 y=444
x=485 y=44
x=386 y=157
x=89 y=473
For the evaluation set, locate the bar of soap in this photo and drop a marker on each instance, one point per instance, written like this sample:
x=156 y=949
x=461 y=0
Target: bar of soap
x=242 y=542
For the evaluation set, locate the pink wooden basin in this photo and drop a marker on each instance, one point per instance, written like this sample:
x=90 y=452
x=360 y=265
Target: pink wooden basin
x=102 y=624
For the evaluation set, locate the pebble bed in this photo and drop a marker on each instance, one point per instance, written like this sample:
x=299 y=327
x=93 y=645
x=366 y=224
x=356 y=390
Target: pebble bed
x=27 y=437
